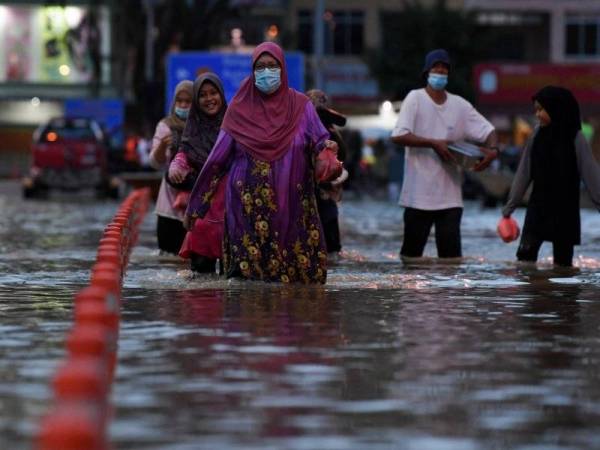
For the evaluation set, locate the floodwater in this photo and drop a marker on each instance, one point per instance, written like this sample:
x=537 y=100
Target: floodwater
x=485 y=354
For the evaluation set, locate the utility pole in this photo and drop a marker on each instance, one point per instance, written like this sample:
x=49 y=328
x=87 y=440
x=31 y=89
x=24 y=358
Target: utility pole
x=149 y=60
x=318 y=44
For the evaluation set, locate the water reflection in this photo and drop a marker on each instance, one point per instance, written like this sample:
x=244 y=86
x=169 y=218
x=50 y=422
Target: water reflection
x=252 y=357
x=485 y=354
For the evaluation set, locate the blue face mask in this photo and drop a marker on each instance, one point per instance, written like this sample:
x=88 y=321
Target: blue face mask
x=267 y=80
x=182 y=113
x=437 y=81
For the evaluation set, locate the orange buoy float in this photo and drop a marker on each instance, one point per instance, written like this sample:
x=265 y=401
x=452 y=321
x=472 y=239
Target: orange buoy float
x=82 y=378
x=72 y=426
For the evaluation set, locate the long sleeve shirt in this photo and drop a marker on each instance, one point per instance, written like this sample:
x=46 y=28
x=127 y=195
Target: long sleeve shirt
x=589 y=170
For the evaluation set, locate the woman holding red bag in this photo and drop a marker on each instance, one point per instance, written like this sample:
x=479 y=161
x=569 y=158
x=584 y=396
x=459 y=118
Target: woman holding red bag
x=268 y=140
x=202 y=245
x=555 y=160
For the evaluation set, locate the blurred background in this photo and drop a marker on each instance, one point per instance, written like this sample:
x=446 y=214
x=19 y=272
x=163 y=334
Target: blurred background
x=116 y=62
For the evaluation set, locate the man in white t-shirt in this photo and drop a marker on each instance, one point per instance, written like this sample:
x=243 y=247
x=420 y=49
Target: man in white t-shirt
x=429 y=119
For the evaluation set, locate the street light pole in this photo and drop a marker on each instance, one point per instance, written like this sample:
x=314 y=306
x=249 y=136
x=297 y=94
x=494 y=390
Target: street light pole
x=149 y=44
x=318 y=44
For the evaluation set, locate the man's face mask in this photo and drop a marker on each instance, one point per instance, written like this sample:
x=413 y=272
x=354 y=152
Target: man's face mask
x=182 y=113
x=267 y=80
x=437 y=81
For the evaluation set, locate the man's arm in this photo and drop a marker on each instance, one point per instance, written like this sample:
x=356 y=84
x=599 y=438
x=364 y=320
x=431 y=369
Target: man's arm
x=490 y=150
x=412 y=140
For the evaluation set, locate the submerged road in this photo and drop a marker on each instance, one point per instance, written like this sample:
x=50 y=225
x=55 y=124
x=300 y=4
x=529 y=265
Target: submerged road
x=485 y=354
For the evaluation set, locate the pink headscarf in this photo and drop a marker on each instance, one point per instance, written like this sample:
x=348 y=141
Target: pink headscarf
x=265 y=124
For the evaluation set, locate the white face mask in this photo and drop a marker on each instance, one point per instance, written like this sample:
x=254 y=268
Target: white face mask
x=267 y=80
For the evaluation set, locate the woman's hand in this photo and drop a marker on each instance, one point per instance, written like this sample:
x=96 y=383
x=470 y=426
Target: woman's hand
x=167 y=141
x=332 y=145
x=188 y=222
x=163 y=146
x=177 y=174
x=160 y=152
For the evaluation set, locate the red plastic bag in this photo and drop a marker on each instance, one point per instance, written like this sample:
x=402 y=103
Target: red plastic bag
x=508 y=229
x=181 y=201
x=327 y=166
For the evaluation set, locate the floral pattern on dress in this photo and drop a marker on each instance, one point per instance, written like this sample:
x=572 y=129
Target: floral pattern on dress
x=272 y=227
x=258 y=253
x=208 y=195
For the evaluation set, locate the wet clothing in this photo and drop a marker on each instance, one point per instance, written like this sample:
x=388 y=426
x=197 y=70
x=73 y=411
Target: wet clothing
x=328 y=212
x=170 y=234
x=431 y=188
x=543 y=209
x=417 y=225
x=555 y=159
x=166 y=193
x=272 y=226
x=202 y=264
x=203 y=243
x=206 y=238
x=326 y=193
x=530 y=244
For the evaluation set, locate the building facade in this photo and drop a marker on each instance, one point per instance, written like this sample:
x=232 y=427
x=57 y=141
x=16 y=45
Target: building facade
x=539 y=42
x=55 y=56
x=554 y=31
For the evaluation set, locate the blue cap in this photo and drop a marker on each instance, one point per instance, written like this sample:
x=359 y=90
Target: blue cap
x=436 y=56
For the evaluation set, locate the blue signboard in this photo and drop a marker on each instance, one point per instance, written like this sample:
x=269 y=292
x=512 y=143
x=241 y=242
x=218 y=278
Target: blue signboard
x=110 y=113
x=232 y=68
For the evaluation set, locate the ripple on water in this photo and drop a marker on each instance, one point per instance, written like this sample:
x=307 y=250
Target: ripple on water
x=385 y=355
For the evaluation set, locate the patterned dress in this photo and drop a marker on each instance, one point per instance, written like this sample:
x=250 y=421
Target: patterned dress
x=272 y=226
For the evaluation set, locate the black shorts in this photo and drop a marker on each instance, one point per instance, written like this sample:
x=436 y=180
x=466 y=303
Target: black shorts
x=417 y=225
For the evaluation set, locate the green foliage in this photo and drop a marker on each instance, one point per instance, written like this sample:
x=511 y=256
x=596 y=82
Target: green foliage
x=407 y=36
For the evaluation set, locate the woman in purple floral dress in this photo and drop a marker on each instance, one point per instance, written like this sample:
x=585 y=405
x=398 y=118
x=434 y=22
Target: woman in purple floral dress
x=268 y=140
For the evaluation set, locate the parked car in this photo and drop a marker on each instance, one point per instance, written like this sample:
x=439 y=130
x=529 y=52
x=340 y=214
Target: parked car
x=69 y=154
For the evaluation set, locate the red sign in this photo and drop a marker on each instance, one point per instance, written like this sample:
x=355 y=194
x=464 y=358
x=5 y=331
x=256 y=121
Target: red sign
x=502 y=84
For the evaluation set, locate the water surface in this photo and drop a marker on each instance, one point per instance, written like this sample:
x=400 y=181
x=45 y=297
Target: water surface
x=486 y=354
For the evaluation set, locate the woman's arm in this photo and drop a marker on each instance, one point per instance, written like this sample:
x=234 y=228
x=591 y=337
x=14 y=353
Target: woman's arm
x=589 y=169
x=215 y=167
x=179 y=168
x=161 y=141
x=521 y=180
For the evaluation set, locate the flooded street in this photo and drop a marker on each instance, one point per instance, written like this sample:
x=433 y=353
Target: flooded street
x=485 y=355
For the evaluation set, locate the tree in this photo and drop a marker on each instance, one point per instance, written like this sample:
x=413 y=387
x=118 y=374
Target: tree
x=410 y=34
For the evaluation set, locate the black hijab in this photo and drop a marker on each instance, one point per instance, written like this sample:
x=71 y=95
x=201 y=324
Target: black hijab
x=555 y=195
x=563 y=109
x=201 y=130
